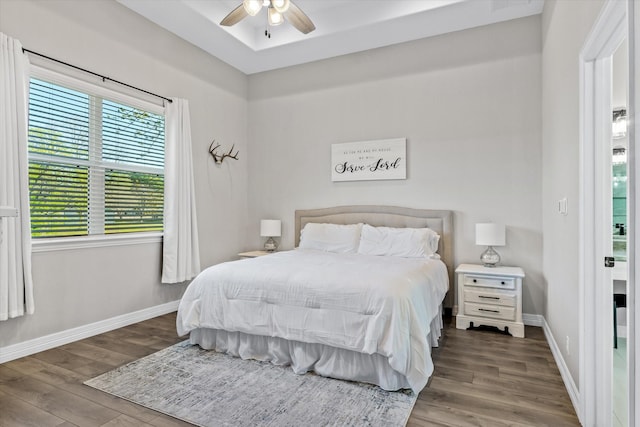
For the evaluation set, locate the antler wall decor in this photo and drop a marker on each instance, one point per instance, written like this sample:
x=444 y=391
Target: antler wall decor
x=220 y=157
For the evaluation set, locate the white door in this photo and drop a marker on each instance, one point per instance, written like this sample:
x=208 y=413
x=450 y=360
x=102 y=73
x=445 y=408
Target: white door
x=596 y=310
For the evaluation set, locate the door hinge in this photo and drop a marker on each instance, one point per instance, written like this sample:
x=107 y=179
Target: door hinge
x=609 y=261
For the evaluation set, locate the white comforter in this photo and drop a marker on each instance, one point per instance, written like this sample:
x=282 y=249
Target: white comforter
x=368 y=304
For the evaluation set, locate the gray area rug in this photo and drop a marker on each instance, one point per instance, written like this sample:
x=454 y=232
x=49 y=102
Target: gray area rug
x=207 y=388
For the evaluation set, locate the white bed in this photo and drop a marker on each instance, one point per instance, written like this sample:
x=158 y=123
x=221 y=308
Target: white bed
x=349 y=315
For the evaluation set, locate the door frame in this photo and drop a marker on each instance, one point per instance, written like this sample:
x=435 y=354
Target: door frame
x=596 y=306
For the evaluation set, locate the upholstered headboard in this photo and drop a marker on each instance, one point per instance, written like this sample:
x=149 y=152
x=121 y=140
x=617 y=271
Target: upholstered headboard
x=441 y=221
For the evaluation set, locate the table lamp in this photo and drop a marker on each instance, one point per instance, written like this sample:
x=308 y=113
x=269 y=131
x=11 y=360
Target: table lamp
x=270 y=228
x=490 y=235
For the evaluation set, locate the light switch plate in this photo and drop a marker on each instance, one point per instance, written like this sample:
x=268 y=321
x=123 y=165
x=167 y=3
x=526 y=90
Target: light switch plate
x=562 y=206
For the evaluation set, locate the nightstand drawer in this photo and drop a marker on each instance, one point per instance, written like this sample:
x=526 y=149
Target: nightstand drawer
x=485 y=296
x=489 y=282
x=487 y=310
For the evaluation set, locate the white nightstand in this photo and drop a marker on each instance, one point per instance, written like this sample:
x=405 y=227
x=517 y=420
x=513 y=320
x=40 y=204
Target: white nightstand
x=253 y=254
x=490 y=296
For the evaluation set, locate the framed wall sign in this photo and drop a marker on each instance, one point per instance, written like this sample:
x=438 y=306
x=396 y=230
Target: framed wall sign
x=369 y=160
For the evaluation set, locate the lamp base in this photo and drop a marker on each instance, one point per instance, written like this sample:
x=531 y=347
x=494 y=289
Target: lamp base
x=490 y=258
x=270 y=245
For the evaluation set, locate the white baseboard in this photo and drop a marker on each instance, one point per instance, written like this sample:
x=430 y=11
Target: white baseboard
x=570 y=385
x=26 y=348
x=533 y=319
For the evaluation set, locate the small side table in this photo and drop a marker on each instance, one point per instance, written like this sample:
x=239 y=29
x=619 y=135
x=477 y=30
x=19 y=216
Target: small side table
x=253 y=254
x=490 y=296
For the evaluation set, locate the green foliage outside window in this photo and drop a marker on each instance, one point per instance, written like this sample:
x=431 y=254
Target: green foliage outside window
x=133 y=202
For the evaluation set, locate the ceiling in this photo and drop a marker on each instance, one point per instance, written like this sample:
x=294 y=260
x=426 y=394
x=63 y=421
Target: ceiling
x=342 y=26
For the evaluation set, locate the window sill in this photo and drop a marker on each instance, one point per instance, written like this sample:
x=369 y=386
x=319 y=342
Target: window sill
x=84 y=242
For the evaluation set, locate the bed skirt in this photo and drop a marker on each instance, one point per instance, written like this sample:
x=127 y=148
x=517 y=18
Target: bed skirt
x=320 y=358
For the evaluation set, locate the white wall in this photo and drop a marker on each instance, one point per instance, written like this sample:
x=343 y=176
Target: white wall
x=78 y=287
x=564 y=30
x=468 y=104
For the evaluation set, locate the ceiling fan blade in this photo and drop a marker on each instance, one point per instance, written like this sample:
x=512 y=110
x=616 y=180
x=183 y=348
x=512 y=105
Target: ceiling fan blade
x=236 y=15
x=298 y=19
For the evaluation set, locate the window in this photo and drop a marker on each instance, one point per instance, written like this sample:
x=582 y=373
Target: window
x=96 y=164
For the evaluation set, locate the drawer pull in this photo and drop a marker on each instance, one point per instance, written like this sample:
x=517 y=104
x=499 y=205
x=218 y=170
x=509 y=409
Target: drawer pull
x=490 y=311
x=502 y=283
x=486 y=297
x=475 y=281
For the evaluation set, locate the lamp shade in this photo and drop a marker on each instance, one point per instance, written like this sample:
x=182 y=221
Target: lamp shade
x=489 y=234
x=270 y=228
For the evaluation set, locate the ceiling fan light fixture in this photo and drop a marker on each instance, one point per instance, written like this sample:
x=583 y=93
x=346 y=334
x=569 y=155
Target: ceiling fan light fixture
x=252 y=7
x=280 y=5
x=275 y=17
x=276 y=11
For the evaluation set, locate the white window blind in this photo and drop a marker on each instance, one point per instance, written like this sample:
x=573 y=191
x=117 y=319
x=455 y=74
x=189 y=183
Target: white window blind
x=96 y=165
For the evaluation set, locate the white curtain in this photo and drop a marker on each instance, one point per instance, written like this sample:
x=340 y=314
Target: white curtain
x=180 y=254
x=16 y=284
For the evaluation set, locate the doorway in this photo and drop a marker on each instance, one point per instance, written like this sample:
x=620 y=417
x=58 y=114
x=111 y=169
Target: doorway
x=604 y=396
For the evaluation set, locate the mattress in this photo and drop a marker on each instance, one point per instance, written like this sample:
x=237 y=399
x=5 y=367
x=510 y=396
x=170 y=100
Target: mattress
x=364 y=306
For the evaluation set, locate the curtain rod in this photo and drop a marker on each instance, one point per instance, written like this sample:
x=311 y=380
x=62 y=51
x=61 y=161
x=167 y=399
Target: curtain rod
x=96 y=74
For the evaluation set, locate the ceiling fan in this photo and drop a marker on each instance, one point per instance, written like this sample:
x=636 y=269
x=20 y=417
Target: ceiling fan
x=277 y=11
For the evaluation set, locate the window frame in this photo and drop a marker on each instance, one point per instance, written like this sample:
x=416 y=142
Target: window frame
x=75 y=82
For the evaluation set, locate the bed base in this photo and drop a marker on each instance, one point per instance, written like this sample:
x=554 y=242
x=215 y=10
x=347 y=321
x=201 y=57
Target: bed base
x=322 y=359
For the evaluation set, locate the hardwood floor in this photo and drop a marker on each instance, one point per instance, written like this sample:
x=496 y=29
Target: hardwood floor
x=484 y=378
x=481 y=379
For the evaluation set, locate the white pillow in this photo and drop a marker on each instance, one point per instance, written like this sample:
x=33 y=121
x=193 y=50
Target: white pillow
x=331 y=237
x=400 y=242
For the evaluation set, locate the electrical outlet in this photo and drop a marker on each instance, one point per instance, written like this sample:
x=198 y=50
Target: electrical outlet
x=566 y=344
